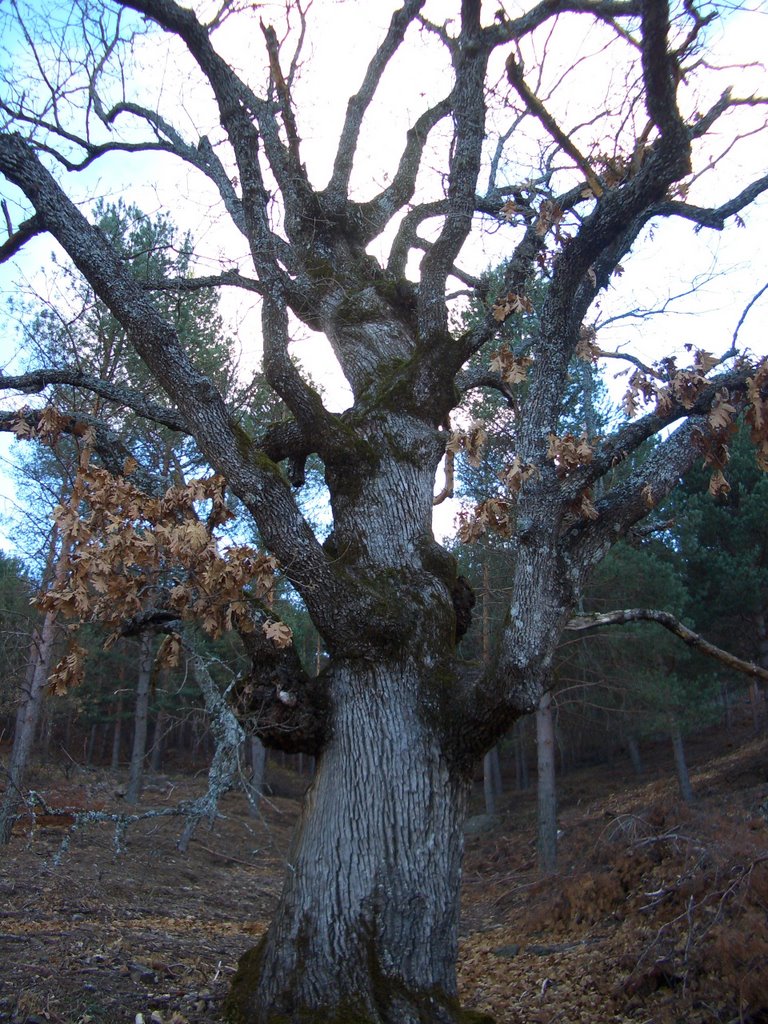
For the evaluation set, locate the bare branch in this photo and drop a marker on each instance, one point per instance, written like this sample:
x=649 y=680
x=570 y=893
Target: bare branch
x=509 y=29
x=361 y=101
x=16 y=239
x=755 y=298
x=469 y=116
x=713 y=217
x=534 y=104
x=34 y=382
x=674 y=625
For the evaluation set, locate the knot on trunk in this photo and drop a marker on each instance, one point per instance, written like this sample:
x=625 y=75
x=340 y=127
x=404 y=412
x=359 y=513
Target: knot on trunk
x=463 y=597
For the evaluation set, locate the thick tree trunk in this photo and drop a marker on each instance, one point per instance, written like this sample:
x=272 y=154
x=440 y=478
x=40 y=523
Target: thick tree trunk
x=547 y=791
x=27 y=718
x=136 y=775
x=367 y=927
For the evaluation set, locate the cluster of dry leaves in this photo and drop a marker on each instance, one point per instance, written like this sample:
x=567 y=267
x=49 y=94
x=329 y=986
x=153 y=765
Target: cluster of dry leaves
x=126 y=554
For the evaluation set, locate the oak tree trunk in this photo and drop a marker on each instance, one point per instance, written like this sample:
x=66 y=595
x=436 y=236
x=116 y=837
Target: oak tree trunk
x=367 y=927
x=547 y=791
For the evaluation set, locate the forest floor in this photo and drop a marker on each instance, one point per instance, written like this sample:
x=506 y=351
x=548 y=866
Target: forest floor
x=659 y=914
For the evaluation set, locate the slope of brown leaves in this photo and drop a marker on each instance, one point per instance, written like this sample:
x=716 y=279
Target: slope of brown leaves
x=659 y=914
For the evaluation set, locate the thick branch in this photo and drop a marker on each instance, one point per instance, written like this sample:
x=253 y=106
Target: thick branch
x=674 y=625
x=36 y=380
x=258 y=483
x=359 y=103
x=507 y=30
x=464 y=168
x=713 y=217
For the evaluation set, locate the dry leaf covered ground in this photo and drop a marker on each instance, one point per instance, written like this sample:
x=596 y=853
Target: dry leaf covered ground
x=659 y=914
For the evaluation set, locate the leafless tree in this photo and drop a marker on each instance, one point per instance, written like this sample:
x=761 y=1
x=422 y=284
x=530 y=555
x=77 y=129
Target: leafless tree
x=367 y=925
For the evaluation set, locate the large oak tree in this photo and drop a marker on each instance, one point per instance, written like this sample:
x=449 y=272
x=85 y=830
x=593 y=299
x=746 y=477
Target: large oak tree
x=367 y=925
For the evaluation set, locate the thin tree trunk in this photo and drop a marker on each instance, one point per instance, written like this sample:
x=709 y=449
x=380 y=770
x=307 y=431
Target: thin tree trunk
x=727 y=707
x=27 y=717
x=498 y=786
x=136 y=773
x=681 y=766
x=378 y=863
x=91 y=745
x=757 y=704
x=117 y=735
x=522 y=774
x=158 y=741
x=254 y=787
x=634 y=755
x=228 y=735
x=488 y=787
x=547 y=791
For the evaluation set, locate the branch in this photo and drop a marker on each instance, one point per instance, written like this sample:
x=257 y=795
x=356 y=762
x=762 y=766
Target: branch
x=469 y=117
x=758 y=295
x=229 y=278
x=618 y=446
x=508 y=30
x=109 y=446
x=534 y=104
x=375 y=214
x=202 y=156
x=447 y=491
x=257 y=481
x=713 y=217
x=359 y=103
x=228 y=735
x=16 y=239
x=36 y=380
x=674 y=625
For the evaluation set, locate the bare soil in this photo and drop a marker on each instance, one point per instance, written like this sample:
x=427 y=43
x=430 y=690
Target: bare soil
x=659 y=914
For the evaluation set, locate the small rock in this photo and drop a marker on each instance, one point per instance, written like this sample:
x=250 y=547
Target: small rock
x=507 y=951
x=479 y=823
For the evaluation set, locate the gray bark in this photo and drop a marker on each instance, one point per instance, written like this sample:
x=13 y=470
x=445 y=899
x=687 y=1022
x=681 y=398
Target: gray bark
x=141 y=712
x=634 y=755
x=378 y=856
x=681 y=765
x=27 y=717
x=546 y=786
x=228 y=738
x=254 y=786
